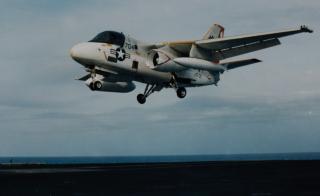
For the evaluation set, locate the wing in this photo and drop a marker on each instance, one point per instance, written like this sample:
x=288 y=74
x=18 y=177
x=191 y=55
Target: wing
x=236 y=41
x=183 y=47
x=233 y=46
x=100 y=71
x=84 y=78
x=224 y=48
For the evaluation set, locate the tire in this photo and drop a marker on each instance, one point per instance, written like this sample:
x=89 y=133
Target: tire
x=181 y=92
x=141 y=98
x=91 y=86
x=97 y=85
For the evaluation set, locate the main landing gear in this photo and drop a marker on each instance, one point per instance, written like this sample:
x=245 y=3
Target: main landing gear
x=181 y=92
x=141 y=98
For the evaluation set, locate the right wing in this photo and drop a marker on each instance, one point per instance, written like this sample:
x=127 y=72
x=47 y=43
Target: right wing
x=98 y=70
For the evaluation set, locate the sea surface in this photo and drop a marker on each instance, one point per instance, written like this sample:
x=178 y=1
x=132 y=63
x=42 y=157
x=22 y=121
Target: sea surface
x=157 y=159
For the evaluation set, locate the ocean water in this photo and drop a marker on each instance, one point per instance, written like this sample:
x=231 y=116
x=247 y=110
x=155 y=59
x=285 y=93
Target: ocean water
x=157 y=159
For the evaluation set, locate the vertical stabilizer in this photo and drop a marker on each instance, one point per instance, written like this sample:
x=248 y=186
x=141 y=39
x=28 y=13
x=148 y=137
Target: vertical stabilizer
x=216 y=31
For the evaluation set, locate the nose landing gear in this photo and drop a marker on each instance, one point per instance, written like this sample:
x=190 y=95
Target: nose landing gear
x=95 y=85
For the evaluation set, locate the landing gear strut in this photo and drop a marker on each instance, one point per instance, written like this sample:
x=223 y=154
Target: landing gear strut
x=141 y=98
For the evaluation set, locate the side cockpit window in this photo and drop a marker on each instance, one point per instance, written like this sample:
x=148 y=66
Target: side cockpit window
x=110 y=37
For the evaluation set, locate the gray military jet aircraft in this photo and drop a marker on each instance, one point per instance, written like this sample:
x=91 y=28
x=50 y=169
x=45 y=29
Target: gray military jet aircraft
x=115 y=60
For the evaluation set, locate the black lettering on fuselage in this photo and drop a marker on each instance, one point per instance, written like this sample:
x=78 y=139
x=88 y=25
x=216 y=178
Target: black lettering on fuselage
x=130 y=46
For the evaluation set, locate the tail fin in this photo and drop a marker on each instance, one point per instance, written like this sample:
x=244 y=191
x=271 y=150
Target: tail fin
x=216 y=31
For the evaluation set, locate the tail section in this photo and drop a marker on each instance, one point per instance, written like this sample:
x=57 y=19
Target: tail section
x=216 y=31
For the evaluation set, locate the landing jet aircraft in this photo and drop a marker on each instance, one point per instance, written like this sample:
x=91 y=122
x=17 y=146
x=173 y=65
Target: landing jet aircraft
x=114 y=60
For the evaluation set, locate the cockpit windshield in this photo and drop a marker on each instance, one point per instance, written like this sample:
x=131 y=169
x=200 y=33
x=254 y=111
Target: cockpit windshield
x=110 y=37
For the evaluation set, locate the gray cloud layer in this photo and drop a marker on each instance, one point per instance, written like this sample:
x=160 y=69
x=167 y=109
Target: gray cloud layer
x=270 y=107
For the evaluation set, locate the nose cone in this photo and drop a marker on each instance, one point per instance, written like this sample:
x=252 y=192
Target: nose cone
x=72 y=52
x=76 y=52
x=84 y=53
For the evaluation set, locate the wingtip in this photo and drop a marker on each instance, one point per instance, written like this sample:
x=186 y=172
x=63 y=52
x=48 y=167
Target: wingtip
x=257 y=60
x=305 y=28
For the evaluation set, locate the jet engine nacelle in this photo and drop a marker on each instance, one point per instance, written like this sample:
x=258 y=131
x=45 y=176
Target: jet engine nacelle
x=119 y=87
x=160 y=60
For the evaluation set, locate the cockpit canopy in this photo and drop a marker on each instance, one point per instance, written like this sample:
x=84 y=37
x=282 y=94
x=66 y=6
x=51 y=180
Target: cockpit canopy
x=110 y=37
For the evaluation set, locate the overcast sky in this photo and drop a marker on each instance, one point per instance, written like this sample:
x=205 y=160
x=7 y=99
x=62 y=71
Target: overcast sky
x=270 y=107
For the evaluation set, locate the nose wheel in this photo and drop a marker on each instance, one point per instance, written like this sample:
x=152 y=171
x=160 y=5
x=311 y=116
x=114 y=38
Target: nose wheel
x=96 y=85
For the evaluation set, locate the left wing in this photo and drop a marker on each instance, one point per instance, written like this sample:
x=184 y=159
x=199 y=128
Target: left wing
x=238 y=45
x=227 y=47
x=236 y=41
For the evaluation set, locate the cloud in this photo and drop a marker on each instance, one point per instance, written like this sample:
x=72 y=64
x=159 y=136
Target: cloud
x=202 y=125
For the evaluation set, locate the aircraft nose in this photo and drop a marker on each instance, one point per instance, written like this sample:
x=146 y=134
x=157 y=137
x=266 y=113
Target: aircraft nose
x=85 y=53
x=75 y=52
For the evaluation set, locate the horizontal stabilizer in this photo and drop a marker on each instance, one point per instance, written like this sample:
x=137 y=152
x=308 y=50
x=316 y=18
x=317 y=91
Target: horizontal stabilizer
x=236 y=64
x=200 y=64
